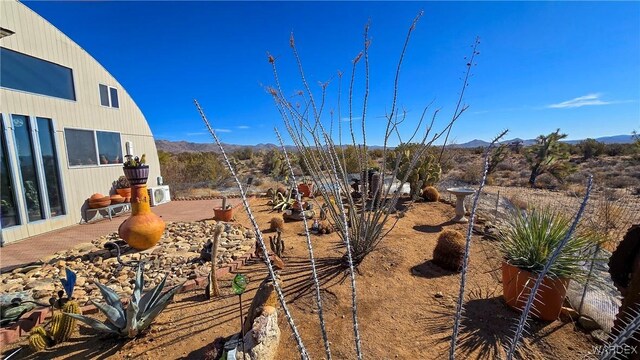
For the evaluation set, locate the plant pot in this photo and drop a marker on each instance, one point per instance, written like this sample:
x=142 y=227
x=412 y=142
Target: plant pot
x=221 y=214
x=517 y=284
x=305 y=189
x=137 y=175
x=143 y=229
x=125 y=193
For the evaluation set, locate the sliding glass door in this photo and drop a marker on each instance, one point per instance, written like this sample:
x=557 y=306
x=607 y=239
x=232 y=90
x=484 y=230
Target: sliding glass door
x=37 y=181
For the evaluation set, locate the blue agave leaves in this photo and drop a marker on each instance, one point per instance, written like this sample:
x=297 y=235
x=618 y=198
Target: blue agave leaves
x=69 y=283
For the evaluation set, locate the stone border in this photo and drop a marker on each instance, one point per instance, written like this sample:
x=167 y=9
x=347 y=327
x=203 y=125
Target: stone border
x=218 y=197
x=22 y=327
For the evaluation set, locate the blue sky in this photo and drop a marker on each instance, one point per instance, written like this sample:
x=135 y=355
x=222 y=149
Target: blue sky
x=542 y=65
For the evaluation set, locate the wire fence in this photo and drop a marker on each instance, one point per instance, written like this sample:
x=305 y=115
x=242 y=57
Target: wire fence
x=609 y=214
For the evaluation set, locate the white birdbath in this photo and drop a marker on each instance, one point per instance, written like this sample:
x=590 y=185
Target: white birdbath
x=460 y=194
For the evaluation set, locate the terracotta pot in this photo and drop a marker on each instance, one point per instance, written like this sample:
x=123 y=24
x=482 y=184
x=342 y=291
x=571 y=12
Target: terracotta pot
x=305 y=189
x=143 y=229
x=125 y=193
x=517 y=284
x=223 y=214
x=99 y=203
x=117 y=199
x=96 y=197
x=136 y=175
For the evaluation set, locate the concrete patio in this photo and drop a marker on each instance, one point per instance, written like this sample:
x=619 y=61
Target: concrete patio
x=34 y=248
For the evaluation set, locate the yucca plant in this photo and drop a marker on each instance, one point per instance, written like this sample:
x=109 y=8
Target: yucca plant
x=139 y=314
x=530 y=237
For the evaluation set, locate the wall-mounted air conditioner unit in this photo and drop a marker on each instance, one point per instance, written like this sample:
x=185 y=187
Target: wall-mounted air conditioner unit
x=159 y=195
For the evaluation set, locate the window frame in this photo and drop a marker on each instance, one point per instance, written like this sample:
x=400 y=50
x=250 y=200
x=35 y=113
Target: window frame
x=97 y=148
x=109 y=99
x=14 y=177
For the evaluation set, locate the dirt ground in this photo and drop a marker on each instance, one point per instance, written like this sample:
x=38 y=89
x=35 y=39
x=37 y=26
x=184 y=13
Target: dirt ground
x=405 y=304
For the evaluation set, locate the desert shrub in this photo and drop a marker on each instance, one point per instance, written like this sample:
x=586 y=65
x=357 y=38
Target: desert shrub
x=430 y=194
x=547 y=181
x=496 y=157
x=449 y=250
x=591 y=148
x=276 y=223
x=506 y=166
x=376 y=153
x=519 y=202
x=622 y=181
x=244 y=153
x=192 y=170
x=472 y=173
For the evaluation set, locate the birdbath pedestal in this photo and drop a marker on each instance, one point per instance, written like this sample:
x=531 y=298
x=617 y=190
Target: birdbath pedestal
x=460 y=194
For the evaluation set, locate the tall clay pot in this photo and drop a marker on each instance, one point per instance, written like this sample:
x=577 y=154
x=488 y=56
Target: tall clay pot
x=143 y=229
x=517 y=284
x=305 y=190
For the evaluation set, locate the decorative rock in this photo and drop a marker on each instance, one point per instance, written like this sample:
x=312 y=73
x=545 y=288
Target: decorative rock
x=568 y=314
x=438 y=294
x=261 y=342
x=588 y=324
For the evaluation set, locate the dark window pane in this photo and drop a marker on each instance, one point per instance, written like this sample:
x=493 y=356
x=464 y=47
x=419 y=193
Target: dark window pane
x=50 y=162
x=109 y=147
x=81 y=147
x=8 y=210
x=24 y=149
x=114 y=98
x=22 y=72
x=104 y=95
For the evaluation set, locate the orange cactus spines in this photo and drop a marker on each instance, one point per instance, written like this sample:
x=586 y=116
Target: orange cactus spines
x=143 y=229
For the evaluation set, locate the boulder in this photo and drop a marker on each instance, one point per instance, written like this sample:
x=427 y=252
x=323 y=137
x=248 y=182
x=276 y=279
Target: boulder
x=261 y=342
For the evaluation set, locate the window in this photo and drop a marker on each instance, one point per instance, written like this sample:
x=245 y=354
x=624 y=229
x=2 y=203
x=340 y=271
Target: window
x=109 y=147
x=114 y=97
x=50 y=164
x=90 y=148
x=27 y=164
x=108 y=96
x=104 y=95
x=8 y=209
x=81 y=147
x=26 y=73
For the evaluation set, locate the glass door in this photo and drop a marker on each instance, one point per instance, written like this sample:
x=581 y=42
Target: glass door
x=8 y=210
x=46 y=140
x=27 y=165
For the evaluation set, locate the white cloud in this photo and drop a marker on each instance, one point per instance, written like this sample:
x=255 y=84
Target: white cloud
x=222 y=130
x=587 y=100
x=243 y=127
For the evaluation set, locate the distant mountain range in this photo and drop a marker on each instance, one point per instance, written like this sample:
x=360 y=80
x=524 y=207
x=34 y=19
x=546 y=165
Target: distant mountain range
x=617 y=139
x=185 y=146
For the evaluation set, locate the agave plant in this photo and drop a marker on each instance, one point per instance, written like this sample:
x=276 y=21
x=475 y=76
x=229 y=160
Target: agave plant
x=139 y=313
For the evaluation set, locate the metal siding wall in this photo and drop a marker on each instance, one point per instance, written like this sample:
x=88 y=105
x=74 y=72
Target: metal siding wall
x=34 y=36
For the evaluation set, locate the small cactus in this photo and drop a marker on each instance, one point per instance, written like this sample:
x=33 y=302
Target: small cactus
x=65 y=324
x=224 y=203
x=38 y=339
x=430 y=194
x=276 y=224
x=277 y=244
x=324 y=227
x=449 y=251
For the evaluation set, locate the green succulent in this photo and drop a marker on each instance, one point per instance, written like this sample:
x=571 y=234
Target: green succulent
x=139 y=314
x=530 y=238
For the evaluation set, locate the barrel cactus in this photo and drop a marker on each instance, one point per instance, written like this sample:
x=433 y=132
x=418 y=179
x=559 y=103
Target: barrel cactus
x=449 y=251
x=430 y=194
x=38 y=339
x=62 y=325
x=276 y=224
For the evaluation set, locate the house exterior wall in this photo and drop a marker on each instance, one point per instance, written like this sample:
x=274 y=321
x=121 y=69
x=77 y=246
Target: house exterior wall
x=36 y=37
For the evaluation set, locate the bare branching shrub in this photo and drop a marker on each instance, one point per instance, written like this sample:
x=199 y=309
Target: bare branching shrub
x=363 y=221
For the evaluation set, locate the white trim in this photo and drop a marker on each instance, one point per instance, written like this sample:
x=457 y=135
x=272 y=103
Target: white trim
x=39 y=163
x=13 y=178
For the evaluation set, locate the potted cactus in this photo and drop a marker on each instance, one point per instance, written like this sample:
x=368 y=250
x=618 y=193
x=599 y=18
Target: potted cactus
x=305 y=188
x=122 y=186
x=136 y=170
x=527 y=242
x=223 y=213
